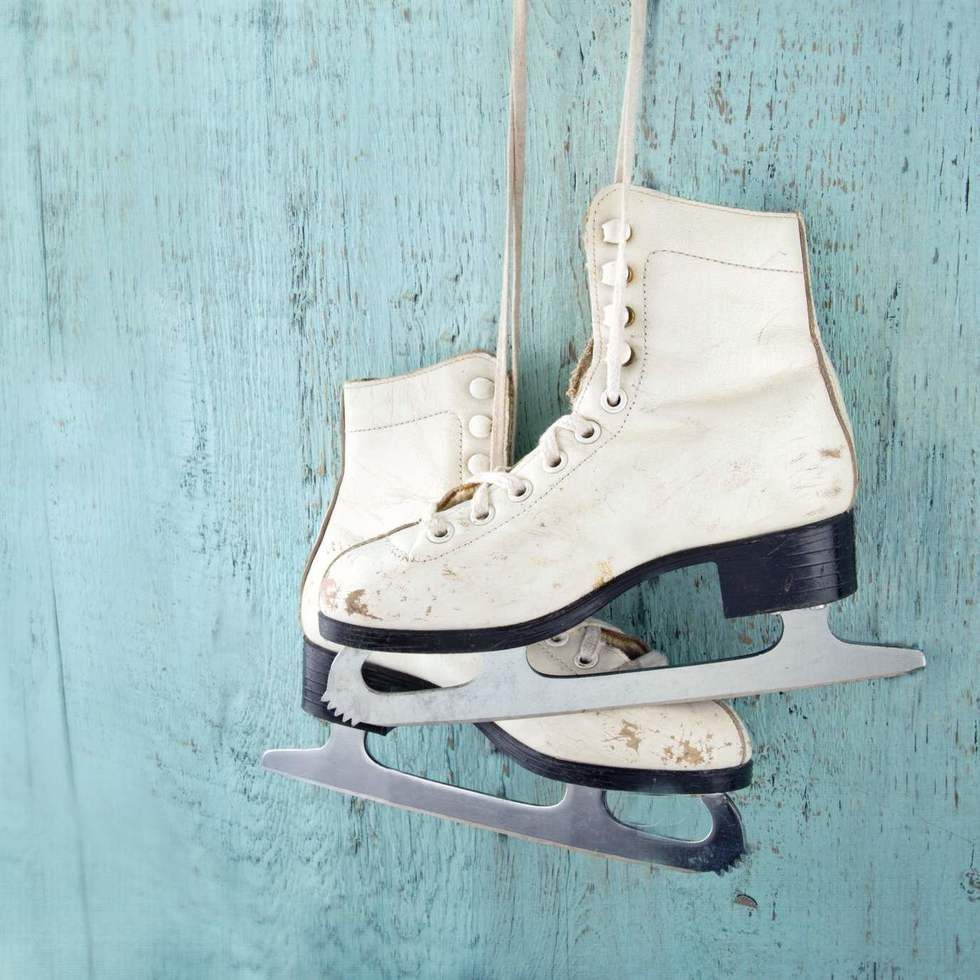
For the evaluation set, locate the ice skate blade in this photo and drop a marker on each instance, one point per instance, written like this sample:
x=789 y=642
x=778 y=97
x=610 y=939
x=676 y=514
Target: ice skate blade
x=580 y=821
x=806 y=655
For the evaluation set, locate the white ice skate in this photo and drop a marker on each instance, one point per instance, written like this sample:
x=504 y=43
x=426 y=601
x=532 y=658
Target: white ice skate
x=707 y=426
x=406 y=439
x=422 y=426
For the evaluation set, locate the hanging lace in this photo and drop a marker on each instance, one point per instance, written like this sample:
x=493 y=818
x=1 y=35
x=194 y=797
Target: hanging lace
x=623 y=175
x=584 y=429
x=508 y=321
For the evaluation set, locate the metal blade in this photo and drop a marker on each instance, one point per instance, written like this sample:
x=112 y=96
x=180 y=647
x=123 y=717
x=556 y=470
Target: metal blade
x=806 y=655
x=580 y=821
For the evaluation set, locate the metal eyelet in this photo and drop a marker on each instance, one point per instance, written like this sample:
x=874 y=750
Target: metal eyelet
x=557 y=641
x=613 y=316
x=523 y=493
x=627 y=355
x=557 y=467
x=609 y=274
x=586 y=662
x=630 y=316
x=593 y=436
x=484 y=518
x=448 y=531
x=608 y=406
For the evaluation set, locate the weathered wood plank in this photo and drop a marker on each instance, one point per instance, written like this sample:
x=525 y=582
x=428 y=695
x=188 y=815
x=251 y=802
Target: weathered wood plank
x=212 y=214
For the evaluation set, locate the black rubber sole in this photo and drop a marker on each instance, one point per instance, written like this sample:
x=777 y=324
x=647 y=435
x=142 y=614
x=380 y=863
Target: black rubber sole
x=316 y=669
x=654 y=782
x=805 y=566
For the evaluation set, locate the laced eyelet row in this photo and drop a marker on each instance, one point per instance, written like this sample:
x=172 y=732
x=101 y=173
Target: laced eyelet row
x=442 y=533
x=480 y=426
x=618 y=316
x=591 y=435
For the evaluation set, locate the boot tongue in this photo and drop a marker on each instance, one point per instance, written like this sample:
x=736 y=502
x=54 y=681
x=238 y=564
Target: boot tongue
x=458 y=495
x=581 y=369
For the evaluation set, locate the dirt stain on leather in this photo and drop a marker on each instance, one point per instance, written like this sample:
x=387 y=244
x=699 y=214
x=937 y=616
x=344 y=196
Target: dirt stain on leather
x=356 y=606
x=605 y=575
x=830 y=453
x=629 y=734
x=686 y=752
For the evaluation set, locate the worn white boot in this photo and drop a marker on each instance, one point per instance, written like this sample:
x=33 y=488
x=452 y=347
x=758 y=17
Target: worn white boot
x=404 y=439
x=407 y=438
x=431 y=427
x=722 y=439
x=707 y=425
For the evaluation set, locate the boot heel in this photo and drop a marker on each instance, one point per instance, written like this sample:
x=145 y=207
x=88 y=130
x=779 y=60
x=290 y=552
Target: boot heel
x=316 y=668
x=806 y=566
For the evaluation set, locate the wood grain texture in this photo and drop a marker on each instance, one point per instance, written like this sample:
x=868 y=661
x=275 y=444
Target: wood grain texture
x=210 y=215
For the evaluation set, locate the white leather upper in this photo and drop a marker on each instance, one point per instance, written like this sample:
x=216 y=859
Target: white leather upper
x=731 y=428
x=418 y=423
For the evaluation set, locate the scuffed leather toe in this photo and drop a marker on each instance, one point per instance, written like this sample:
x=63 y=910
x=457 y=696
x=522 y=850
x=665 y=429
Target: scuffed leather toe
x=359 y=588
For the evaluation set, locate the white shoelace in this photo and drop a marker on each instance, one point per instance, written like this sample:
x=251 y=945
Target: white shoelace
x=584 y=429
x=623 y=175
x=508 y=321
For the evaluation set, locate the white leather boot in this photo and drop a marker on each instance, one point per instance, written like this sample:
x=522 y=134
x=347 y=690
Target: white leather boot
x=726 y=440
x=707 y=425
x=428 y=428
x=406 y=437
x=411 y=436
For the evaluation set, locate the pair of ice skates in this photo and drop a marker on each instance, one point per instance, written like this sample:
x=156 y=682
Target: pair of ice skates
x=706 y=426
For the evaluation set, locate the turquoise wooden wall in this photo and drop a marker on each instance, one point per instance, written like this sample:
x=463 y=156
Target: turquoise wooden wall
x=213 y=213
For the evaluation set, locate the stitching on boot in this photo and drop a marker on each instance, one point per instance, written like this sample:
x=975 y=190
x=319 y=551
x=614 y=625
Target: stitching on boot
x=479 y=355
